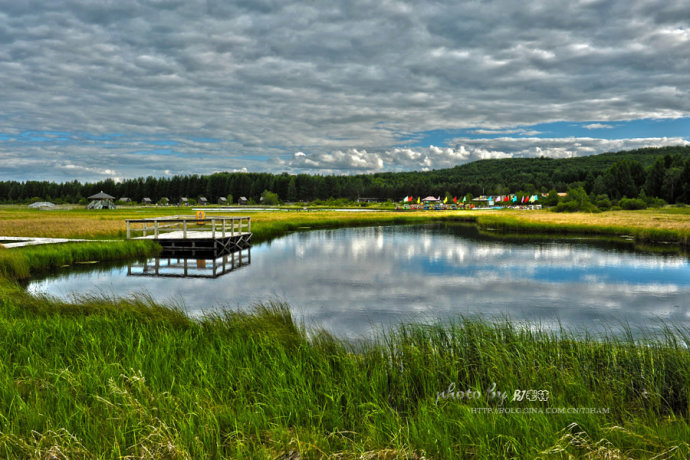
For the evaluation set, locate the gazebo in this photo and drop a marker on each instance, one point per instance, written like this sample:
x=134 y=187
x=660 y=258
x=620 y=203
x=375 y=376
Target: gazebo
x=101 y=200
x=222 y=200
x=203 y=200
x=146 y=200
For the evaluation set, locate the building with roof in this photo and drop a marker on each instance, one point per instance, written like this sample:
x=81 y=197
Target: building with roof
x=101 y=200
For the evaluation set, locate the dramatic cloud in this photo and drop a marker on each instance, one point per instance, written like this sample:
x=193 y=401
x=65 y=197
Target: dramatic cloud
x=336 y=81
x=464 y=151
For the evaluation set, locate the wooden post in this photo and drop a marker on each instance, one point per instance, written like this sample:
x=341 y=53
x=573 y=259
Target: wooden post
x=224 y=221
x=144 y=228
x=184 y=234
x=249 y=224
x=155 y=230
x=213 y=228
x=128 y=232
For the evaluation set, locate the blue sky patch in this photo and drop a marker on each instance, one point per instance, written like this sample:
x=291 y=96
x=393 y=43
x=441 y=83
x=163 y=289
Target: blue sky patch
x=625 y=129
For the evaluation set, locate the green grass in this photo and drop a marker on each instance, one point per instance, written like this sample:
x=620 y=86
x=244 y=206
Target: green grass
x=109 y=379
x=114 y=378
x=646 y=235
x=20 y=263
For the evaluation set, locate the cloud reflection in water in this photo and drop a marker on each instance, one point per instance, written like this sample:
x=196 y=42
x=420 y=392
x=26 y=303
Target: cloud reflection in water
x=351 y=281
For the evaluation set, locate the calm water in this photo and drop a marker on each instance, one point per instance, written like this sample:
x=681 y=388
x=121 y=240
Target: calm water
x=351 y=281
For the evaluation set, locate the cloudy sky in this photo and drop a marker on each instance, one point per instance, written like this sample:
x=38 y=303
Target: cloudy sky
x=128 y=88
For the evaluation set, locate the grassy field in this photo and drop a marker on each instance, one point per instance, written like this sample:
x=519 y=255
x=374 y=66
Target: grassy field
x=667 y=224
x=114 y=378
x=131 y=379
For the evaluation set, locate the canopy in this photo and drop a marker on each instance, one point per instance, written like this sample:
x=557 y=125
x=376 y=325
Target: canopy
x=42 y=204
x=101 y=196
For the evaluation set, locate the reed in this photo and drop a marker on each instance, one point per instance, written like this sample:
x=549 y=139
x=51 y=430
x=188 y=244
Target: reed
x=20 y=263
x=104 y=377
x=114 y=378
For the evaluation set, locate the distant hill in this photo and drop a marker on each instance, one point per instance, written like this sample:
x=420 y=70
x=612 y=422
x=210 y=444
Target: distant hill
x=538 y=174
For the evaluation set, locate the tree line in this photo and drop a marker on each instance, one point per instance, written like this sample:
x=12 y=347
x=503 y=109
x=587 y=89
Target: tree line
x=662 y=173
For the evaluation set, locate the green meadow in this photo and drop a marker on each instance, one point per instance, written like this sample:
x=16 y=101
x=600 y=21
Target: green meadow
x=131 y=378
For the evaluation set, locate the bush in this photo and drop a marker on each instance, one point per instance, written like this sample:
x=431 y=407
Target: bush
x=630 y=204
x=602 y=202
x=269 y=198
x=551 y=199
x=655 y=203
x=576 y=201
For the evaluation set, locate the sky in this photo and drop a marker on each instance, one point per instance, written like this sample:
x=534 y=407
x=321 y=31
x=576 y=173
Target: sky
x=91 y=90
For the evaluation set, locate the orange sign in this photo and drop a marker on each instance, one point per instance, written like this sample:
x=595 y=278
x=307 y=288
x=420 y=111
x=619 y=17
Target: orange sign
x=201 y=215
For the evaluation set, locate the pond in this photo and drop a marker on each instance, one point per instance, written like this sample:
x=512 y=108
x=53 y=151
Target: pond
x=357 y=280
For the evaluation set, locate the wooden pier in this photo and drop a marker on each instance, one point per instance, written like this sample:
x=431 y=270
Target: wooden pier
x=196 y=237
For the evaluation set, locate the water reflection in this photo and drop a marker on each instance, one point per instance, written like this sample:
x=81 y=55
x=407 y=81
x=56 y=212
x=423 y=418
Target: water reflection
x=176 y=267
x=351 y=281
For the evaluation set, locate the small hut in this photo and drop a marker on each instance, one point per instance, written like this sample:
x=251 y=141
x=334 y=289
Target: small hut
x=146 y=200
x=42 y=205
x=222 y=200
x=101 y=200
x=203 y=200
x=184 y=201
x=164 y=201
x=242 y=200
x=124 y=199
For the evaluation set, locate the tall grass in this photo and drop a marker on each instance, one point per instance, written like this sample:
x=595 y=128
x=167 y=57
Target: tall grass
x=130 y=378
x=114 y=378
x=22 y=262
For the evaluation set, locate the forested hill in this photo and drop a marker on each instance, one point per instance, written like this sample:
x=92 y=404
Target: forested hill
x=657 y=172
x=543 y=174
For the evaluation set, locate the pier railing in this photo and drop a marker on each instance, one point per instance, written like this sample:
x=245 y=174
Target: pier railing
x=216 y=226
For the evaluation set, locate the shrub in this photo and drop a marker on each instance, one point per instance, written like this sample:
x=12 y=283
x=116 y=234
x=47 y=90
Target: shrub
x=577 y=200
x=269 y=198
x=602 y=202
x=630 y=204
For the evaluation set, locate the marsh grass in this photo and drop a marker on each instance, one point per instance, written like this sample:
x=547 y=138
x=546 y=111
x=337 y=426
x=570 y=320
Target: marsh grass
x=129 y=378
x=646 y=226
x=20 y=263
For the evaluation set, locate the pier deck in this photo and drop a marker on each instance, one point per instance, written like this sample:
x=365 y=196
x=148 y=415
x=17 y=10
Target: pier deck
x=186 y=236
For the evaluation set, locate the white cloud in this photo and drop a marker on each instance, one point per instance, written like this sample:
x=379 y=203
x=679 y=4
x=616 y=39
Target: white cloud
x=464 y=151
x=272 y=78
x=598 y=126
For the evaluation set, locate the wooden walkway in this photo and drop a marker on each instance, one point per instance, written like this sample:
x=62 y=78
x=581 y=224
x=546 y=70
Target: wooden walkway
x=185 y=236
x=23 y=241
